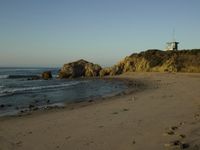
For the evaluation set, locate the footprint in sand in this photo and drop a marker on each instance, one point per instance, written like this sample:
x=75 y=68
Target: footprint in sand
x=115 y=113
x=89 y=143
x=171 y=130
x=123 y=110
x=101 y=126
x=68 y=137
x=174 y=128
x=133 y=142
x=172 y=133
x=57 y=146
x=5 y=144
x=19 y=143
x=182 y=136
x=196 y=116
x=169 y=133
x=177 y=144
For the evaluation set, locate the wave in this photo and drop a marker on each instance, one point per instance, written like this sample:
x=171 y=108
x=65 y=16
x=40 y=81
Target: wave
x=1 y=87
x=17 y=76
x=11 y=91
x=4 y=76
x=22 y=76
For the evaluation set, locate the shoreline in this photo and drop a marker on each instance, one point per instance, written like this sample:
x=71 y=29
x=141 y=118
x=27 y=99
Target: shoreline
x=132 y=86
x=164 y=114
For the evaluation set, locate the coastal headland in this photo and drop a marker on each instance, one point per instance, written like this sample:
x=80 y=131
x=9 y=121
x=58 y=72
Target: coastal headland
x=152 y=60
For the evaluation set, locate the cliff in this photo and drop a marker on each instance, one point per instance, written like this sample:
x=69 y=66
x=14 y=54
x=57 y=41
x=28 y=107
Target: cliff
x=157 y=61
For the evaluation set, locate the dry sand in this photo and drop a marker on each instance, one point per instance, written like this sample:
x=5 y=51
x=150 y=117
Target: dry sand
x=163 y=114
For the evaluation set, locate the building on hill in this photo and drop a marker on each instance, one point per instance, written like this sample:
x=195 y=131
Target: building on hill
x=172 y=46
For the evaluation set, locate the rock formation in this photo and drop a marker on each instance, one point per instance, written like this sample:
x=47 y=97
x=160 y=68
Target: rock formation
x=80 y=68
x=46 y=75
x=147 y=61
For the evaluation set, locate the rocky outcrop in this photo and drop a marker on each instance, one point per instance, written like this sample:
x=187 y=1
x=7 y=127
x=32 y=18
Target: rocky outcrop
x=46 y=75
x=80 y=68
x=147 y=61
x=157 y=61
x=105 y=72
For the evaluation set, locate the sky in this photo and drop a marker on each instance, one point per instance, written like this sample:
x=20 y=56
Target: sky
x=49 y=33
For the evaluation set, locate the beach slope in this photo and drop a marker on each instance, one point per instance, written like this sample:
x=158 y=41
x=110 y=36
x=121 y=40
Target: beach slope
x=163 y=114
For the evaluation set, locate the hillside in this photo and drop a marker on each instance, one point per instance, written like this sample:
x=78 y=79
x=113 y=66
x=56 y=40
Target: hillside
x=157 y=61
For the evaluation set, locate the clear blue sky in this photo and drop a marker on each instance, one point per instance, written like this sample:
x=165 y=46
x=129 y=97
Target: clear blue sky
x=53 y=32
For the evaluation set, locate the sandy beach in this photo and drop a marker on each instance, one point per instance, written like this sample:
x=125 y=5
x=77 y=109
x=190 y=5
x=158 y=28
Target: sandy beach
x=162 y=113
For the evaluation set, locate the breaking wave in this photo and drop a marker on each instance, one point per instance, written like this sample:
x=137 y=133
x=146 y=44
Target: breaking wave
x=11 y=91
x=4 y=76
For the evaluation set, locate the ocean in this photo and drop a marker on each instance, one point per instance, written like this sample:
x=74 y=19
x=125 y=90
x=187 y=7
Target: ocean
x=18 y=93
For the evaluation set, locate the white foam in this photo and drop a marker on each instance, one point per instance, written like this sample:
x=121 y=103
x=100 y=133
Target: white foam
x=2 y=94
x=8 y=91
x=4 y=76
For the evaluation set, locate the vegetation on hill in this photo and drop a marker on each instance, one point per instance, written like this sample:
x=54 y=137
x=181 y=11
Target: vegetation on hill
x=157 y=61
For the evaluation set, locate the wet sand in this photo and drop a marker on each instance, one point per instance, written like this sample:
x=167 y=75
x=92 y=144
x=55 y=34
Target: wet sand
x=162 y=113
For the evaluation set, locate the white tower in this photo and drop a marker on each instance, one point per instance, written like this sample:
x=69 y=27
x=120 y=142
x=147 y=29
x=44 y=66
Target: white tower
x=172 y=46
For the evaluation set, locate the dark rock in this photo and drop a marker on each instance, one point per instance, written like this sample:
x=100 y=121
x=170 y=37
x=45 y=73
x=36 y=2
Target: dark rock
x=46 y=75
x=105 y=72
x=80 y=68
x=35 y=108
x=34 y=78
x=5 y=105
x=9 y=105
x=2 y=106
x=31 y=106
x=92 y=70
x=36 y=101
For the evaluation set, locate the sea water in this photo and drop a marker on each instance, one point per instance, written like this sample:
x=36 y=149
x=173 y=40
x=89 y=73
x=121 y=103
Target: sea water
x=17 y=93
